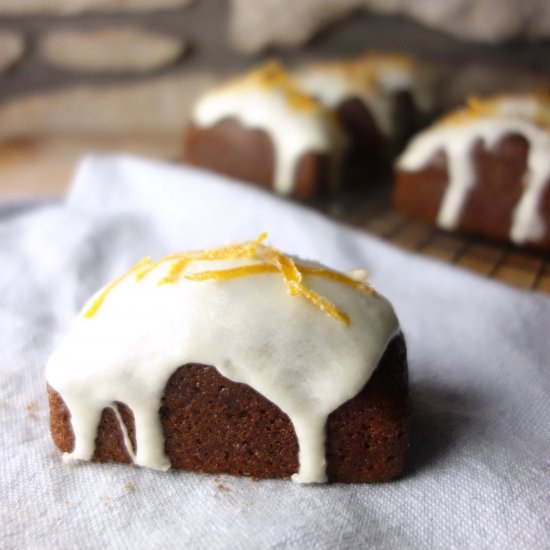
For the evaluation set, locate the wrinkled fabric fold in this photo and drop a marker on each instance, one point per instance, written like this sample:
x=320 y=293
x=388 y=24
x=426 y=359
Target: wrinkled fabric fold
x=479 y=368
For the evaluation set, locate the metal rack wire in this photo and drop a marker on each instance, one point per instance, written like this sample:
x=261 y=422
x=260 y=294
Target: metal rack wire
x=373 y=212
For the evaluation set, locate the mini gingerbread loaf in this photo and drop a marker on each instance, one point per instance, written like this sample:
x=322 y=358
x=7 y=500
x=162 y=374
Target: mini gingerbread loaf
x=483 y=169
x=380 y=100
x=262 y=129
x=236 y=360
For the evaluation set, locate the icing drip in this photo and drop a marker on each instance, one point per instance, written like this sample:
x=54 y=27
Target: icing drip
x=125 y=435
x=457 y=134
x=267 y=99
x=224 y=308
x=373 y=79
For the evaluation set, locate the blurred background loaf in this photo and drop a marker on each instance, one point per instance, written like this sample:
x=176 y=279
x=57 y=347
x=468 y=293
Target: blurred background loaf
x=123 y=74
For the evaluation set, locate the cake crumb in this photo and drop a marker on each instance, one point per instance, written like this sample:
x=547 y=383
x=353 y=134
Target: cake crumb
x=129 y=486
x=223 y=488
x=32 y=410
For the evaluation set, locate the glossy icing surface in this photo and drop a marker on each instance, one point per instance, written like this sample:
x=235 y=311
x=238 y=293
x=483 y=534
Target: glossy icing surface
x=489 y=121
x=269 y=327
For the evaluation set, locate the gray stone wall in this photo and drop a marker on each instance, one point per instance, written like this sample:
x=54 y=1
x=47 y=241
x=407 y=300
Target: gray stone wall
x=255 y=24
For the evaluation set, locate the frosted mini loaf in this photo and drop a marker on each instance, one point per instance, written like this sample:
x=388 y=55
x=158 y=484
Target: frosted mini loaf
x=313 y=355
x=484 y=168
x=263 y=129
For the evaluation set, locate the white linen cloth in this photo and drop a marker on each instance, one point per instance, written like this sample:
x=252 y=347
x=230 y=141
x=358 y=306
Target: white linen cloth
x=479 y=465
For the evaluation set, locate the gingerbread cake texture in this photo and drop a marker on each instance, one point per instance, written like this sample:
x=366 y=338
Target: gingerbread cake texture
x=483 y=169
x=237 y=360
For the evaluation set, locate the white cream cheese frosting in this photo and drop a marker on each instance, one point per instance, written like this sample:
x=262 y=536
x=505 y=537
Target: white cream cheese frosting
x=268 y=100
x=373 y=79
x=304 y=337
x=489 y=121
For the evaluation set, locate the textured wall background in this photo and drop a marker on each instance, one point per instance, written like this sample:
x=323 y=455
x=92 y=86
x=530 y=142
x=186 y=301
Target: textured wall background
x=259 y=23
x=123 y=66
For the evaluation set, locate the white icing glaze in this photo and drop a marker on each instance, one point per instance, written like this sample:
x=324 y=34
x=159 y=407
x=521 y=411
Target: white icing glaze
x=457 y=139
x=332 y=87
x=250 y=328
x=358 y=274
x=293 y=130
x=373 y=80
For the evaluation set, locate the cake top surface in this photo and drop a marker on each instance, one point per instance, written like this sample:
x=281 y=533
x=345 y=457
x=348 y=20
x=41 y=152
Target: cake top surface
x=529 y=106
x=373 y=78
x=258 y=259
x=271 y=78
x=367 y=73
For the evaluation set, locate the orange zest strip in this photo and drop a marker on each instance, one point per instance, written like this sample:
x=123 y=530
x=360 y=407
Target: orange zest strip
x=147 y=268
x=96 y=304
x=175 y=271
x=324 y=305
x=220 y=274
x=291 y=274
x=243 y=250
x=229 y=252
x=340 y=277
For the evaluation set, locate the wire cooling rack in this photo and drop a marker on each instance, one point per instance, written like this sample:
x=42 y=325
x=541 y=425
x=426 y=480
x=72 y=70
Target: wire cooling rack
x=373 y=212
